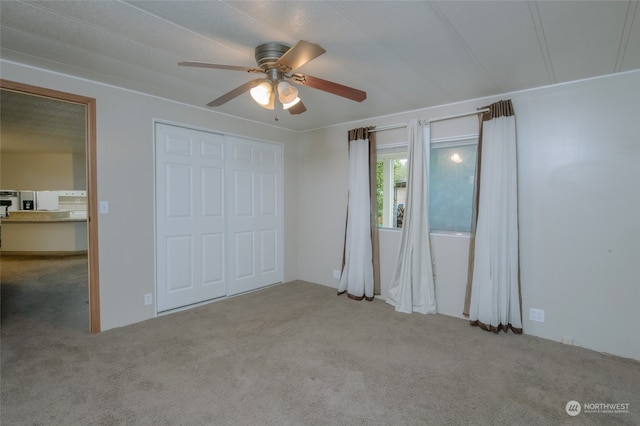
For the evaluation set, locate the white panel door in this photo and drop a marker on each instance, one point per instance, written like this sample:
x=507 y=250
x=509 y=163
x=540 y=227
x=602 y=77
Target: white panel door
x=254 y=220
x=190 y=216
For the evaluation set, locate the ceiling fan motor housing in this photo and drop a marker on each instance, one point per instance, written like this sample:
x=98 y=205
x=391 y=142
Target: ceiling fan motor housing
x=268 y=53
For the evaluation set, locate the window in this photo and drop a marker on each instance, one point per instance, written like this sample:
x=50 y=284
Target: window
x=392 y=187
x=451 y=180
x=451 y=177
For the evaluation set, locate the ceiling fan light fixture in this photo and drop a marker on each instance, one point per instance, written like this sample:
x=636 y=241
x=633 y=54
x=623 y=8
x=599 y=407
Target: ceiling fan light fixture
x=286 y=92
x=271 y=103
x=277 y=63
x=290 y=104
x=262 y=93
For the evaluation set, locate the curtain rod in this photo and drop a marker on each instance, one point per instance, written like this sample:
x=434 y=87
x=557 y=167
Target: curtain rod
x=430 y=120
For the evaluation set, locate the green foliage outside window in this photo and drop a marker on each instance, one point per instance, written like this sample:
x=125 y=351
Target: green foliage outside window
x=399 y=178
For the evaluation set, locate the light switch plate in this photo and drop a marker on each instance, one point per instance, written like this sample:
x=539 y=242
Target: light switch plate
x=103 y=206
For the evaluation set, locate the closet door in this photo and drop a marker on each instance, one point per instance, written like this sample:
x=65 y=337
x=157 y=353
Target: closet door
x=190 y=216
x=255 y=220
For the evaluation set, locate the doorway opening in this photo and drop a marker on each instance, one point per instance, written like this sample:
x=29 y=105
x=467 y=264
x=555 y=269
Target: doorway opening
x=93 y=287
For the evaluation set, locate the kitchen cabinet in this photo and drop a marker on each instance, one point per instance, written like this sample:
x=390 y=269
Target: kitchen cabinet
x=42 y=232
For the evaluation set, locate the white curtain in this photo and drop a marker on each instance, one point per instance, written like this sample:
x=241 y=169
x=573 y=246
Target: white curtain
x=495 y=286
x=412 y=287
x=357 y=273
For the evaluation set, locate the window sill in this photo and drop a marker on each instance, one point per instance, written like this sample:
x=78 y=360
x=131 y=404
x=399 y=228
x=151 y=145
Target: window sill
x=436 y=232
x=451 y=234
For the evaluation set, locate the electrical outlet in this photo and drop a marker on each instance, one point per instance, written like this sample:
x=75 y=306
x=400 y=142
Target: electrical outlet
x=567 y=340
x=336 y=274
x=148 y=299
x=536 y=315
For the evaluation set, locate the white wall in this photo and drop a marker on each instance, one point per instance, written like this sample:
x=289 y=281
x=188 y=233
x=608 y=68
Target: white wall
x=125 y=163
x=39 y=172
x=579 y=189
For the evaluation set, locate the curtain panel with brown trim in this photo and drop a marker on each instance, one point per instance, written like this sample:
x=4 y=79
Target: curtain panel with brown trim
x=503 y=108
x=366 y=133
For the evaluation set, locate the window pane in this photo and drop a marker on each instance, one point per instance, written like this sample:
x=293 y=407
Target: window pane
x=392 y=188
x=451 y=178
x=399 y=190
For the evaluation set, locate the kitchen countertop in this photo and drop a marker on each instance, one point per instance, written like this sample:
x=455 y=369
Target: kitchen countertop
x=42 y=216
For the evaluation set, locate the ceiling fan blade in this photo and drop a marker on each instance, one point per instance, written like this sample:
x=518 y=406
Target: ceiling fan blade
x=298 y=55
x=218 y=66
x=235 y=92
x=298 y=108
x=329 y=86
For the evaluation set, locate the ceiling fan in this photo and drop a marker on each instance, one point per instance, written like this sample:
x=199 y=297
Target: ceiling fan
x=279 y=61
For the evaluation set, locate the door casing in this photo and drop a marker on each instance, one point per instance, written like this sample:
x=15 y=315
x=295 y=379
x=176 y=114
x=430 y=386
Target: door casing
x=92 y=186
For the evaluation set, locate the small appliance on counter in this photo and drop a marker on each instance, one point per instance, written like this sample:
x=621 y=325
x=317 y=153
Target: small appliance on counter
x=27 y=200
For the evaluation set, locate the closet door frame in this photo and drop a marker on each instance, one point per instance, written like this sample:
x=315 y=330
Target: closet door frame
x=266 y=171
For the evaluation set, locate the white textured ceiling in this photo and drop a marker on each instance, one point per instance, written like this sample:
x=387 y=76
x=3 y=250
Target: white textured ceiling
x=406 y=55
x=35 y=124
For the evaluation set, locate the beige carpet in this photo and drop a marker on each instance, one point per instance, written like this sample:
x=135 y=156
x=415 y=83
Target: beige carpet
x=293 y=354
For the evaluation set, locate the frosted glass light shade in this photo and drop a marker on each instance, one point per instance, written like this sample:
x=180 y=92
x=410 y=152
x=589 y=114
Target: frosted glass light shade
x=290 y=104
x=287 y=93
x=272 y=102
x=262 y=93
